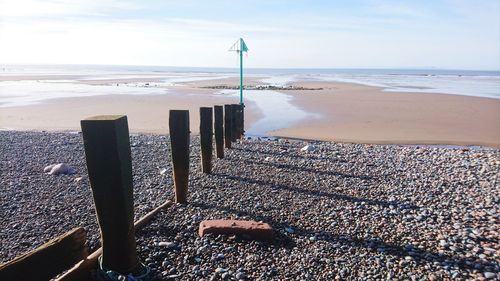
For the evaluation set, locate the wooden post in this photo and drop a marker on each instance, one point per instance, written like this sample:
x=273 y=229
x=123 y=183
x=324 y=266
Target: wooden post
x=234 y=122
x=206 y=136
x=179 y=143
x=48 y=260
x=239 y=121
x=242 y=125
x=109 y=165
x=227 y=125
x=236 y=125
x=219 y=131
x=81 y=271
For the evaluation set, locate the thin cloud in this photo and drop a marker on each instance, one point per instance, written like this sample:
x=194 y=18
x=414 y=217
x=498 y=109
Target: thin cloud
x=371 y=35
x=50 y=8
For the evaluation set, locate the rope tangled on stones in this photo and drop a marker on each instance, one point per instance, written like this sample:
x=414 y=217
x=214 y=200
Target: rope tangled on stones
x=110 y=275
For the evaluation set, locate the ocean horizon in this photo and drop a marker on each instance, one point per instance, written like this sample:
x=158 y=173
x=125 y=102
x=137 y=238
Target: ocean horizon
x=15 y=68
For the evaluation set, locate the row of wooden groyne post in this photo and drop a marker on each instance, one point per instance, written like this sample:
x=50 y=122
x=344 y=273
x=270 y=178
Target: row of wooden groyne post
x=226 y=128
x=109 y=164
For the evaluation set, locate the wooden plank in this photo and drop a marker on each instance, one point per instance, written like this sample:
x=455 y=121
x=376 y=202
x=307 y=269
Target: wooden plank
x=227 y=125
x=219 y=131
x=179 y=142
x=109 y=165
x=144 y=220
x=206 y=136
x=81 y=270
x=48 y=260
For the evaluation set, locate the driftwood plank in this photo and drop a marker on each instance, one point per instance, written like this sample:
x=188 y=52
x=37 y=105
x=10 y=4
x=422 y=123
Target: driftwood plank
x=48 y=260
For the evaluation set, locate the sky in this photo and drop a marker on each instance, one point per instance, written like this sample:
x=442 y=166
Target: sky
x=445 y=34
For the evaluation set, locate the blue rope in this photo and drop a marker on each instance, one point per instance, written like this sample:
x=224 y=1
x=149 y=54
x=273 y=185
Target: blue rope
x=115 y=276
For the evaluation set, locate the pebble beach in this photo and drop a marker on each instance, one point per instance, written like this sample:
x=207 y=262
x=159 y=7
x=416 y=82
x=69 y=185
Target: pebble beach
x=339 y=212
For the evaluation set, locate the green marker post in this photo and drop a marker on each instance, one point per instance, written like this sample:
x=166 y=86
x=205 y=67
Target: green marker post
x=240 y=47
x=241 y=74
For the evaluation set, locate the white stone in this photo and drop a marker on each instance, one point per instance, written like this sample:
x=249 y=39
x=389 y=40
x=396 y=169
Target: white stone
x=443 y=243
x=48 y=168
x=489 y=275
x=59 y=169
x=308 y=148
x=220 y=270
x=241 y=276
x=167 y=244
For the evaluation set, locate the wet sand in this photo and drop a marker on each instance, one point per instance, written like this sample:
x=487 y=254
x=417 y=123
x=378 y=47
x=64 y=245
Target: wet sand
x=145 y=113
x=342 y=112
x=364 y=114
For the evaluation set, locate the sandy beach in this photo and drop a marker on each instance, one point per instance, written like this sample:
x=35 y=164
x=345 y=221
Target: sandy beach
x=146 y=113
x=339 y=112
x=357 y=113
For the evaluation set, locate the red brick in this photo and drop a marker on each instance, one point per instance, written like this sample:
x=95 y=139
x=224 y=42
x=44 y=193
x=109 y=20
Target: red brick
x=252 y=229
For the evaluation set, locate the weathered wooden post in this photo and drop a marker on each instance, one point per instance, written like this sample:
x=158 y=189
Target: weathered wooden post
x=239 y=121
x=179 y=143
x=206 y=136
x=242 y=124
x=227 y=125
x=234 y=122
x=219 y=131
x=109 y=165
x=234 y=133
